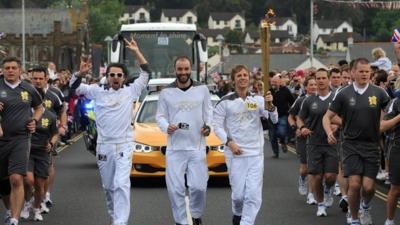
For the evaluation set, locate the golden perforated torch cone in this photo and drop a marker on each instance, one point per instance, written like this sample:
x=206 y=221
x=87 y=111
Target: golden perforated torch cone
x=265 y=37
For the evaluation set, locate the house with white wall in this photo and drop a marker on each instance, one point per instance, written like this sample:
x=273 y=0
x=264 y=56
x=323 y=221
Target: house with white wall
x=178 y=16
x=325 y=27
x=231 y=20
x=135 y=14
x=288 y=24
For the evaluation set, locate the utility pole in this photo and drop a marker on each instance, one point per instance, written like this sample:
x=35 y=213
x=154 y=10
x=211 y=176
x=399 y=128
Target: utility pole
x=311 y=32
x=23 y=35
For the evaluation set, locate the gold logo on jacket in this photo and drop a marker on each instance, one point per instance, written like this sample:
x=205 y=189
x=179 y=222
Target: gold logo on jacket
x=45 y=122
x=24 y=96
x=251 y=106
x=372 y=101
x=47 y=103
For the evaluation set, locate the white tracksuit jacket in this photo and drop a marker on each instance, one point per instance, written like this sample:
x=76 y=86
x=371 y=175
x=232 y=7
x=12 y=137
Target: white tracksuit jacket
x=113 y=109
x=239 y=120
x=192 y=107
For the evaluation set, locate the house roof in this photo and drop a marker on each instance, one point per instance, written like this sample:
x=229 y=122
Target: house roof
x=277 y=61
x=340 y=37
x=134 y=8
x=279 y=21
x=175 y=12
x=214 y=32
x=37 y=21
x=225 y=16
x=324 y=24
x=363 y=49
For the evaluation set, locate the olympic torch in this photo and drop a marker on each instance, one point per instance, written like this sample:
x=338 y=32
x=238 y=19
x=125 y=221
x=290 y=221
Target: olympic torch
x=265 y=39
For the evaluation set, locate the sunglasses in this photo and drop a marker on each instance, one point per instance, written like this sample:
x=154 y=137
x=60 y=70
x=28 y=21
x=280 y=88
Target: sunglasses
x=116 y=74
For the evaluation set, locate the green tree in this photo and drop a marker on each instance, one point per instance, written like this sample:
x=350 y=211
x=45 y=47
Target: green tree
x=235 y=39
x=104 y=18
x=384 y=23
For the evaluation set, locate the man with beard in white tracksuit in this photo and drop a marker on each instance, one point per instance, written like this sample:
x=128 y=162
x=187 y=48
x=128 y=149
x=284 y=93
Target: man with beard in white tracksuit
x=237 y=123
x=184 y=110
x=113 y=107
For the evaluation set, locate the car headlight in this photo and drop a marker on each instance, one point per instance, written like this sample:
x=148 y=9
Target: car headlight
x=138 y=147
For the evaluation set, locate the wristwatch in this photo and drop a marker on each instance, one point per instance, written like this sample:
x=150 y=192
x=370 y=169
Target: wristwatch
x=227 y=141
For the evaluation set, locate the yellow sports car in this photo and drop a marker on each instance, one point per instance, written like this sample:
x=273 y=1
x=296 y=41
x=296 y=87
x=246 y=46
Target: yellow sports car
x=150 y=144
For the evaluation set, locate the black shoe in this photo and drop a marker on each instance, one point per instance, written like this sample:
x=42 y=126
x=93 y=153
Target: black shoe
x=344 y=205
x=236 y=220
x=275 y=156
x=284 y=148
x=197 y=221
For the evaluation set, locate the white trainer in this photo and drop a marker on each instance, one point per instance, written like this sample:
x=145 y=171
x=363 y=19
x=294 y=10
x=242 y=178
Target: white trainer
x=25 y=210
x=303 y=185
x=321 y=210
x=328 y=196
x=310 y=199
x=389 y=222
x=348 y=217
x=43 y=208
x=337 y=191
x=365 y=216
x=7 y=217
x=37 y=216
x=13 y=221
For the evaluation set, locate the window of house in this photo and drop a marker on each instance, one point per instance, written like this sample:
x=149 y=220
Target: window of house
x=178 y=19
x=131 y=21
x=344 y=30
x=226 y=23
x=217 y=22
x=328 y=44
x=189 y=19
x=237 y=24
x=141 y=16
x=345 y=44
x=289 y=28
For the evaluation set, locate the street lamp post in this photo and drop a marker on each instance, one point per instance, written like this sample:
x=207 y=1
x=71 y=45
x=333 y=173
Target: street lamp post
x=23 y=35
x=220 y=40
x=108 y=40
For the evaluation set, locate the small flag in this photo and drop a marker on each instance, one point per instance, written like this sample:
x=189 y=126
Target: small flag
x=396 y=35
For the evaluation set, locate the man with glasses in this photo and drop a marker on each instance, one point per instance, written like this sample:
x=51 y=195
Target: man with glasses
x=113 y=110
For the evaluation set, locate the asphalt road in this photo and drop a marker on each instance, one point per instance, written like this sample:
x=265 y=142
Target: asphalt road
x=79 y=198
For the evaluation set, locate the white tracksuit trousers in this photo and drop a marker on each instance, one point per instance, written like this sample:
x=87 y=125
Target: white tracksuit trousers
x=194 y=165
x=115 y=163
x=246 y=180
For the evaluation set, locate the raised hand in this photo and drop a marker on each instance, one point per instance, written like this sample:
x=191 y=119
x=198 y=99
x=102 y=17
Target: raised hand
x=85 y=66
x=132 y=45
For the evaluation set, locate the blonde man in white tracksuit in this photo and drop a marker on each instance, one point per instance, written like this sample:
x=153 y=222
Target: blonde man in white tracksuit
x=113 y=104
x=184 y=110
x=237 y=123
